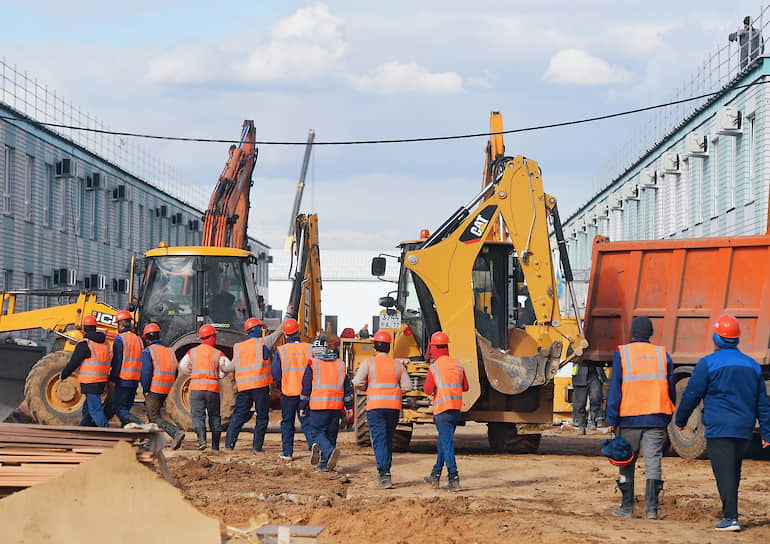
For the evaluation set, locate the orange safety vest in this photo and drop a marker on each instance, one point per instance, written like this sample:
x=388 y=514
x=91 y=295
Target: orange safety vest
x=131 y=368
x=294 y=359
x=448 y=374
x=205 y=368
x=163 y=369
x=252 y=371
x=328 y=385
x=95 y=368
x=645 y=381
x=384 y=388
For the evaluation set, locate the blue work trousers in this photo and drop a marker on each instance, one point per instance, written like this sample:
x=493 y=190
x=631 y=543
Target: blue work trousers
x=324 y=426
x=259 y=398
x=290 y=411
x=446 y=423
x=122 y=400
x=382 y=425
x=93 y=414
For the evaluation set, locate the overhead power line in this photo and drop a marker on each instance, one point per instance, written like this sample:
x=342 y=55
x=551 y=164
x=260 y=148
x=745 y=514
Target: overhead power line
x=394 y=140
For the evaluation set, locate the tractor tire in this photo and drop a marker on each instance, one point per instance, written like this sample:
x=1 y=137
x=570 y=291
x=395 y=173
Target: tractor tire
x=691 y=442
x=504 y=438
x=402 y=437
x=178 y=401
x=51 y=401
x=360 y=424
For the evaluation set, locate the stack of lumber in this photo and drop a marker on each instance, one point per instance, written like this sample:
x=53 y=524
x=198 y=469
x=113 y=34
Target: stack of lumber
x=30 y=454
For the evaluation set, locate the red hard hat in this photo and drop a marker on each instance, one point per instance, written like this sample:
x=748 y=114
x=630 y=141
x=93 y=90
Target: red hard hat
x=252 y=322
x=89 y=320
x=727 y=326
x=439 y=338
x=123 y=314
x=347 y=332
x=150 y=327
x=383 y=336
x=206 y=331
x=290 y=326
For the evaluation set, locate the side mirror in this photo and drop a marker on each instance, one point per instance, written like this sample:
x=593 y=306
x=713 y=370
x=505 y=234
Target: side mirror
x=387 y=302
x=378 y=266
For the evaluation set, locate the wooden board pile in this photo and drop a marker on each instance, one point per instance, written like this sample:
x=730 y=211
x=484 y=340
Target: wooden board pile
x=31 y=454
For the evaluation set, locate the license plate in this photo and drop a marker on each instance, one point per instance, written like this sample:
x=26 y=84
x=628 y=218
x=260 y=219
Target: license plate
x=390 y=321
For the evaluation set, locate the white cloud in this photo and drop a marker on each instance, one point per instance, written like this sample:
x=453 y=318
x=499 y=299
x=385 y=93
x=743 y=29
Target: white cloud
x=395 y=77
x=636 y=39
x=577 y=67
x=193 y=63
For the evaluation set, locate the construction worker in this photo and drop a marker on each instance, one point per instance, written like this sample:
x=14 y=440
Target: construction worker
x=364 y=332
x=91 y=358
x=734 y=396
x=446 y=381
x=384 y=381
x=252 y=379
x=206 y=365
x=126 y=369
x=326 y=389
x=159 y=370
x=587 y=384
x=639 y=407
x=289 y=363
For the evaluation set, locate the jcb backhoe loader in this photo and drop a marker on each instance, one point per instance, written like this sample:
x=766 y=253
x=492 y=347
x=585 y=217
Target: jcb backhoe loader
x=467 y=280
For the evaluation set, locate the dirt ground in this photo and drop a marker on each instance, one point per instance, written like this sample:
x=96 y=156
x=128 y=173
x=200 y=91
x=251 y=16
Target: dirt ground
x=564 y=493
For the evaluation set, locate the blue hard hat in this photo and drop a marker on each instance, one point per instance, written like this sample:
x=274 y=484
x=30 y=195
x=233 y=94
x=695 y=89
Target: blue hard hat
x=617 y=450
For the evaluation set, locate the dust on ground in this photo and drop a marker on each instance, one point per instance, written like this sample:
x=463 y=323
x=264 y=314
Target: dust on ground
x=564 y=493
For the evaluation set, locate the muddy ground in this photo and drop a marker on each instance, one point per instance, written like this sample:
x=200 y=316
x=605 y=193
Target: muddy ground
x=564 y=493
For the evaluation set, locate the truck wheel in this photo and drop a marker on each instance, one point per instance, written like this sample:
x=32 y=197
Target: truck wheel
x=178 y=401
x=402 y=437
x=360 y=425
x=504 y=438
x=691 y=442
x=51 y=401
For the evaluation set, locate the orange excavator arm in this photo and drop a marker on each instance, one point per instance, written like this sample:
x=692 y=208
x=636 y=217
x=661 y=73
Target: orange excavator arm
x=226 y=219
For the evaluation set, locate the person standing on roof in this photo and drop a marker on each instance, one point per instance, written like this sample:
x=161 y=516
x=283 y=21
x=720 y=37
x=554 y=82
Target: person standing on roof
x=252 y=379
x=384 y=380
x=206 y=365
x=91 y=358
x=326 y=389
x=750 y=41
x=289 y=363
x=126 y=369
x=734 y=396
x=159 y=370
x=446 y=381
x=639 y=407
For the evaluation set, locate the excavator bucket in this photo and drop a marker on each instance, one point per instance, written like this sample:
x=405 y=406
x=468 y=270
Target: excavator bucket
x=15 y=363
x=522 y=366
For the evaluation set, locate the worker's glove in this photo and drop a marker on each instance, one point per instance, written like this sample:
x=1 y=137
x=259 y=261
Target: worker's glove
x=349 y=415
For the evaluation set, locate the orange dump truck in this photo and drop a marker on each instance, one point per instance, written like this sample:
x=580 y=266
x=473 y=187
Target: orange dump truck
x=682 y=285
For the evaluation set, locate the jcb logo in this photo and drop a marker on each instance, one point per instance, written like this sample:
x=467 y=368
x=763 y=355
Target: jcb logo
x=106 y=319
x=479 y=224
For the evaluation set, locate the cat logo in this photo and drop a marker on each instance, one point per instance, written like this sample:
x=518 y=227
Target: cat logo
x=475 y=231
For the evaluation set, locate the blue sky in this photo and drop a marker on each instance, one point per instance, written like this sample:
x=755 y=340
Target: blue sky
x=351 y=71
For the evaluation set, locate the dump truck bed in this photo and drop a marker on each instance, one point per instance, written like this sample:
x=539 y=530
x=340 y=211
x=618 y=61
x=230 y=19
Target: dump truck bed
x=682 y=285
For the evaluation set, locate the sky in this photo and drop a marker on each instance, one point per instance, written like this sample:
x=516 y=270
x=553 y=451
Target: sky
x=358 y=70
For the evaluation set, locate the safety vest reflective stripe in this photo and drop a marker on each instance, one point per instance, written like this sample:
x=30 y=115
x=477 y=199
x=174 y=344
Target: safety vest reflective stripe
x=384 y=389
x=294 y=359
x=131 y=367
x=205 y=368
x=645 y=381
x=252 y=370
x=96 y=367
x=328 y=385
x=164 y=365
x=448 y=374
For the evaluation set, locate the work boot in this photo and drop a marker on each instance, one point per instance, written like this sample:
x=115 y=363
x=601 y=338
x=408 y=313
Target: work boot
x=215 y=436
x=315 y=454
x=331 y=463
x=201 y=434
x=591 y=426
x=582 y=429
x=626 y=508
x=132 y=418
x=434 y=478
x=383 y=479
x=454 y=481
x=176 y=440
x=651 y=498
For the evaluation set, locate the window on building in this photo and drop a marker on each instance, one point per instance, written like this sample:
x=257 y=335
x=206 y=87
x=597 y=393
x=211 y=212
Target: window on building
x=65 y=200
x=7 y=179
x=715 y=179
x=142 y=241
x=29 y=182
x=750 y=169
x=118 y=233
x=77 y=205
x=48 y=184
x=106 y=218
x=731 y=173
x=27 y=285
x=7 y=280
x=94 y=214
x=48 y=284
x=130 y=244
